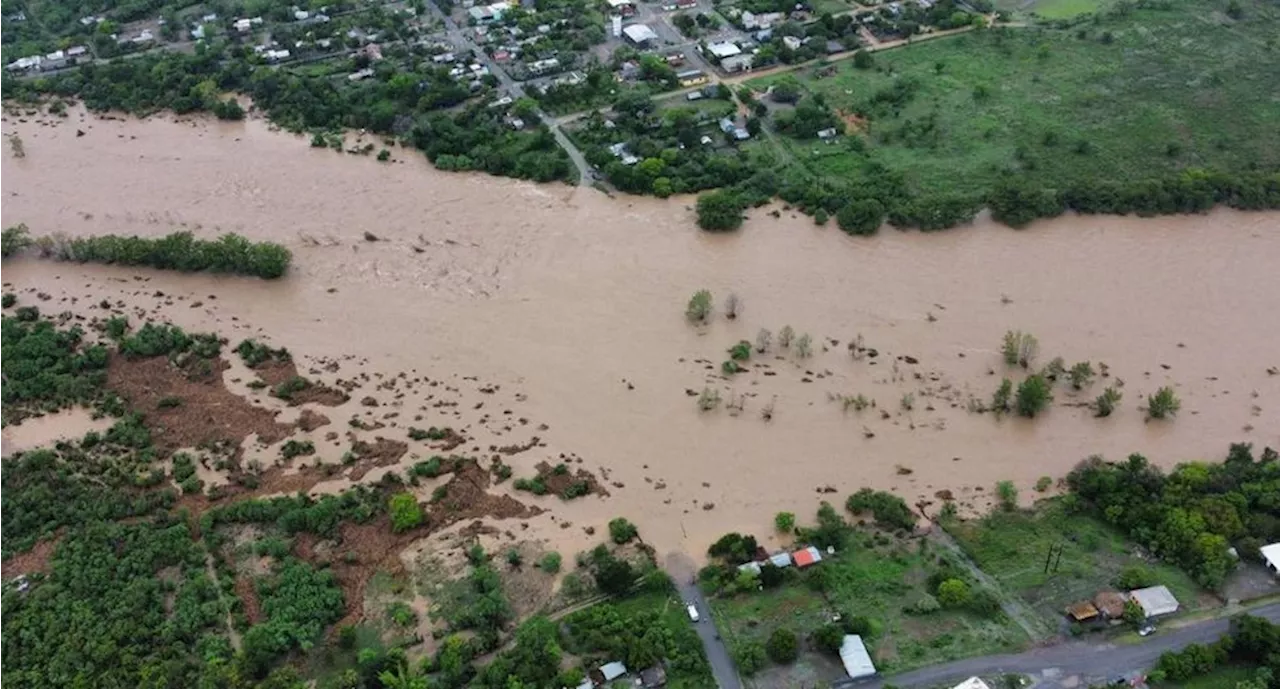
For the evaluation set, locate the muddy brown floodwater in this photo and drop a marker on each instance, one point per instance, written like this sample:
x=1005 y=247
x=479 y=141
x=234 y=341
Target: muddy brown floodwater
x=573 y=303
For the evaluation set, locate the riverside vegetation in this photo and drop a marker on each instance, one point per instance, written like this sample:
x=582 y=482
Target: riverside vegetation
x=180 y=251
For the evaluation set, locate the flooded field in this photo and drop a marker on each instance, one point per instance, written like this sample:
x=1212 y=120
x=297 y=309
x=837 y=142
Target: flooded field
x=558 y=313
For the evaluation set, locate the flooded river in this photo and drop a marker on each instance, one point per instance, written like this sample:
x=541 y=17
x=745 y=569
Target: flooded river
x=574 y=303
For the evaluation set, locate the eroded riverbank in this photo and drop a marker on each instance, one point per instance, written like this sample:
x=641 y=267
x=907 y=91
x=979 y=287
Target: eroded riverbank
x=574 y=302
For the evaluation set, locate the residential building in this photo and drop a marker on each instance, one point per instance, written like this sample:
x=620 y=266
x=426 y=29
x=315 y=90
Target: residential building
x=625 y=8
x=791 y=42
x=653 y=678
x=1155 y=600
x=691 y=77
x=1271 y=557
x=806 y=557
x=639 y=34
x=972 y=683
x=723 y=49
x=612 y=671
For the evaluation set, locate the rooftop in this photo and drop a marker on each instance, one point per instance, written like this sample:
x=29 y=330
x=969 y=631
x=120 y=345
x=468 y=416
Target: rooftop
x=1155 y=600
x=854 y=656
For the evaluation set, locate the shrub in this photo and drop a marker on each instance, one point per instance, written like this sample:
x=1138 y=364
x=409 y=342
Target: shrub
x=750 y=657
x=1043 y=483
x=829 y=638
x=699 y=307
x=622 y=531
x=1008 y=495
x=9 y=299
x=1019 y=348
x=735 y=548
x=1135 y=577
x=514 y=558
x=953 y=593
x=1080 y=375
x=294 y=448
x=740 y=351
x=1034 y=395
x=784 y=521
x=1164 y=403
x=13 y=240
x=983 y=603
x=925 y=605
x=782 y=647
x=290 y=387
x=1106 y=402
x=861 y=217
x=550 y=563
x=888 y=509
x=576 y=489
x=429 y=468
x=405 y=512
x=535 y=485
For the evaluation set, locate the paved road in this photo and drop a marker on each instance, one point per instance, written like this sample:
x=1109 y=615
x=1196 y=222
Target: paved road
x=683 y=570
x=1092 y=662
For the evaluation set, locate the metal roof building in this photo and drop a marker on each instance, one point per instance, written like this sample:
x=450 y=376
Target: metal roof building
x=1271 y=556
x=854 y=656
x=639 y=33
x=1155 y=600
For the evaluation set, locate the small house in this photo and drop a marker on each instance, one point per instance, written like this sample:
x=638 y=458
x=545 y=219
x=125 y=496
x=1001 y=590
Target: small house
x=691 y=77
x=612 y=671
x=1155 y=600
x=652 y=678
x=806 y=557
x=1084 y=611
x=736 y=63
x=1110 y=604
x=972 y=683
x=686 y=4
x=724 y=49
x=753 y=567
x=781 y=559
x=1271 y=557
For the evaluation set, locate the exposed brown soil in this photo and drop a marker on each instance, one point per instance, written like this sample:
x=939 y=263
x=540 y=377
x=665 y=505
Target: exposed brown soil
x=248 y=595
x=467 y=496
x=32 y=561
x=559 y=483
x=309 y=420
x=275 y=372
x=208 y=413
x=853 y=122
x=382 y=452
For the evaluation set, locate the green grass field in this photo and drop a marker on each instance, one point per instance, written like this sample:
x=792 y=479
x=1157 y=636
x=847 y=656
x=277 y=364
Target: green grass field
x=1051 y=9
x=1224 y=678
x=1126 y=98
x=1012 y=548
x=874 y=580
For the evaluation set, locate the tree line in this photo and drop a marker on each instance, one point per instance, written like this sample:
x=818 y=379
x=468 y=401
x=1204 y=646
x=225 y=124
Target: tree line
x=181 y=251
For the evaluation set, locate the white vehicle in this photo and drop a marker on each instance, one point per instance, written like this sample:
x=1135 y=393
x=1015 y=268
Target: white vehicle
x=693 y=612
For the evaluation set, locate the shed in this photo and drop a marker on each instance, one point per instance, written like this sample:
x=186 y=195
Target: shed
x=972 y=683
x=753 y=567
x=781 y=559
x=1082 y=611
x=639 y=33
x=1155 y=600
x=1110 y=604
x=828 y=133
x=853 y=653
x=807 y=556
x=1271 y=556
x=652 y=678
x=612 y=671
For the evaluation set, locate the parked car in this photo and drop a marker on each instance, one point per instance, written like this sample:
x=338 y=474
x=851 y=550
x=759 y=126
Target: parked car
x=693 y=612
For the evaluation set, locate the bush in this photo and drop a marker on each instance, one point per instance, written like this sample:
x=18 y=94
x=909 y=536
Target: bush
x=405 y=512
x=699 y=306
x=622 y=531
x=783 y=647
x=1034 y=395
x=735 y=548
x=13 y=240
x=862 y=217
x=550 y=563
x=1008 y=495
x=9 y=299
x=750 y=657
x=926 y=605
x=740 y=351
x=1164 y=403
x=1043 y=483
x=984 y=603
x=784 y=521
x=294 y=448
x=720 y=211
x=1135 y=577
x=953 y=593
x=829 y=638
x=888 y=509
x=1106 y=402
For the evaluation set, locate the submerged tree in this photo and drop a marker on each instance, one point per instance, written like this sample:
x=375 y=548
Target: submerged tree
x=1106 y=402
x=1164 y=403
x=699 y=307
x=1019 y=348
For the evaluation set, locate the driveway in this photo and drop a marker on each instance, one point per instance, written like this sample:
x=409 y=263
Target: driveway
x=684 y=572
x=1077 y=663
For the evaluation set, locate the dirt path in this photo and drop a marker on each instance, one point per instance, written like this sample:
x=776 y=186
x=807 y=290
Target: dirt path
x=231 y=629
x=1010 y=603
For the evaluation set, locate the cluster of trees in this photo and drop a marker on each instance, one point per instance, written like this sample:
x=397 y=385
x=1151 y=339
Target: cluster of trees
x=1192 y=515
x=640 y=638
x=1251 y=640
x=1018 y=202
x=889 y=510
x=47 y=368
x=230 y=253
x=298 y=602
x=299 y=513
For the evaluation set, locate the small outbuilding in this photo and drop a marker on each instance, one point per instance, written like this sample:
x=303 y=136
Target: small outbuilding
x=780 y=559
x=1271 y=557
x=1155 y=600
x=612 y=671
x=652 y=678
x=1110 y=604
x=806 y=557
x=1083 y=611
x=972 y=683
x=856 y=659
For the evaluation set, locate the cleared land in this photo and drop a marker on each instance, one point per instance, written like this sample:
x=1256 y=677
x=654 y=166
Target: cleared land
x=1125 y=97
x=878 y=576
x=1013 y=546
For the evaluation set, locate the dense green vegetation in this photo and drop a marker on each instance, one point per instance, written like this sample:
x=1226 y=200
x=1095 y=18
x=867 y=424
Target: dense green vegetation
x=1251 y=642
x=181 y=251
x=1191 y=515
x=47 y=368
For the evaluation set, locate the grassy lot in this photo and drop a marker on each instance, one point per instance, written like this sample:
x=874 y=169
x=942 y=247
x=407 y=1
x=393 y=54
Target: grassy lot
x=1129 y=97
x=877 y=577
x=1052 y=9
x=1012 y=548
